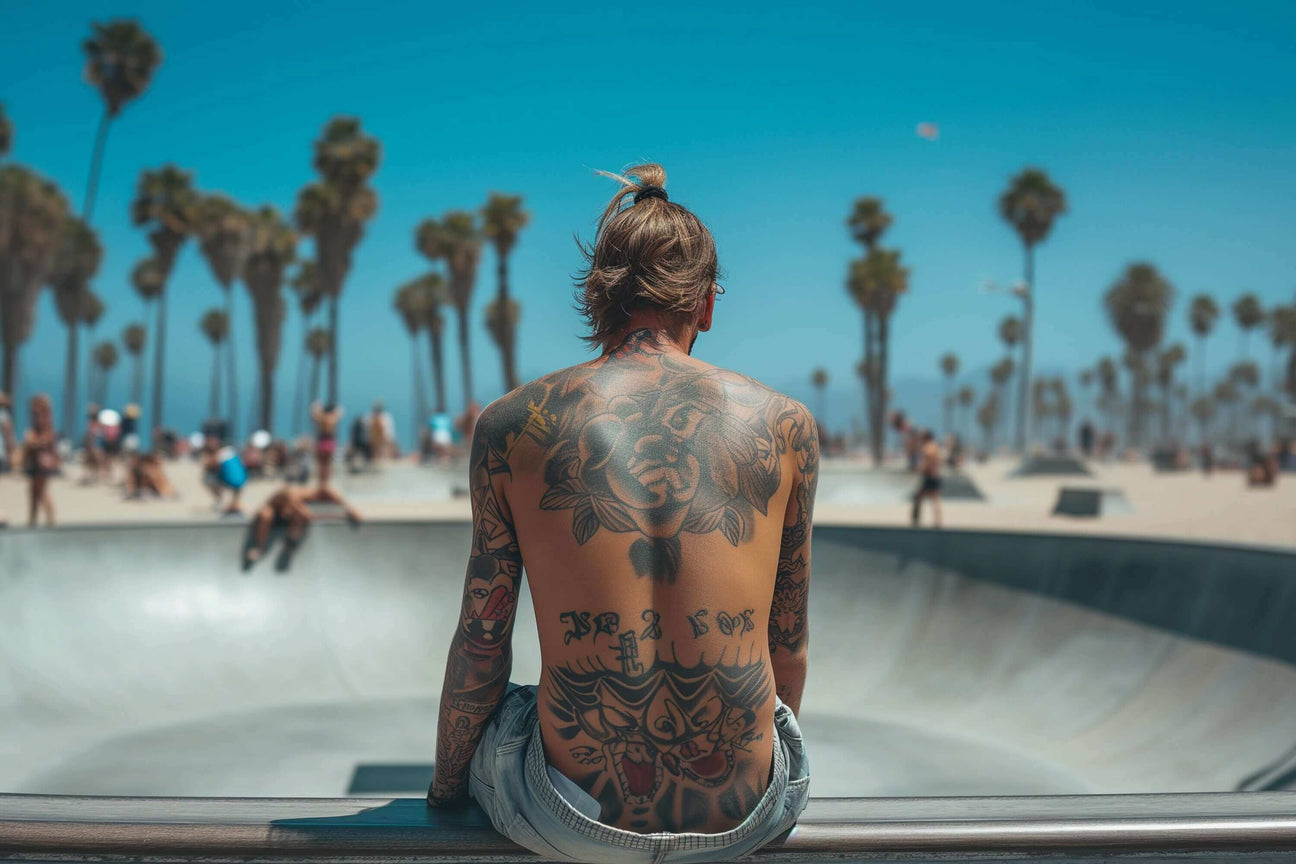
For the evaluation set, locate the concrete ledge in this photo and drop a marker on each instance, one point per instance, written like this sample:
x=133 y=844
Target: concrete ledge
x=1259 y=826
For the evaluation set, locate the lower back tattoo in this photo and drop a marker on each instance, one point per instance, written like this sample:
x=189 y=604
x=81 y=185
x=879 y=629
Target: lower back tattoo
x=659 y=735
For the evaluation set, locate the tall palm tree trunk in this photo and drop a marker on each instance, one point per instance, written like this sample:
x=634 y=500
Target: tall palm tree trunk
x=314 y=379
x=418 y=407
x=159 y=363
x=438 y=368
x=880 y=403
x=213 y=397
x=299 y=382
x=105 y=386
x=1201 y=365
x=96 y=165
x=508 y=336
x=1028 y=340
x=137 y=378
x=231 y=364
x=465 y=358
x=333 y=349
x=10 y=368
x=948 y=409
x=266 y=396
x=70 y=384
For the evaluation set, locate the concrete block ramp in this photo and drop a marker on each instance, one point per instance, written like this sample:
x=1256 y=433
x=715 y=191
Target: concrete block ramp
x=145 y=661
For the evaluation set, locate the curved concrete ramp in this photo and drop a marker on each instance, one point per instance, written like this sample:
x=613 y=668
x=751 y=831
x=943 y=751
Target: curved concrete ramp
x=145 y=661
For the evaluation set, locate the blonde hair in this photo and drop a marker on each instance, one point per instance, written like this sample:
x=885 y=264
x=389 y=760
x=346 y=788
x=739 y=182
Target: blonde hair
x=650 y=253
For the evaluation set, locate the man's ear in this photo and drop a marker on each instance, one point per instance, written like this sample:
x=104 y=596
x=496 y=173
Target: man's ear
x=708 y=309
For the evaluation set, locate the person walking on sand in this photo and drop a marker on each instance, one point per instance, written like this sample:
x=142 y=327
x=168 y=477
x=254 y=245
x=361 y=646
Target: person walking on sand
x=661 y=507
x=40 y=459
x=929 y=470
x=326 y=419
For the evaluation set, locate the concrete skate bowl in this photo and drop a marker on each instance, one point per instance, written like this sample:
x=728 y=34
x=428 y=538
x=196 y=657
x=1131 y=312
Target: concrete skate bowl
x=843 y=483
x=145 y=661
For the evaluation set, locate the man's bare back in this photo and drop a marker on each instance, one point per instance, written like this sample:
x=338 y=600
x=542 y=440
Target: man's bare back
x=661 y=506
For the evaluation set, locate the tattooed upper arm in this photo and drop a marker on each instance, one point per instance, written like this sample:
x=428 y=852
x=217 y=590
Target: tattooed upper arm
x=789 y=626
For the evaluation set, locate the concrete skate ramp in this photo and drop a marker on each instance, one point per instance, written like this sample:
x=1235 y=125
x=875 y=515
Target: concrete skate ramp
x=143 y=660
x=847 y=484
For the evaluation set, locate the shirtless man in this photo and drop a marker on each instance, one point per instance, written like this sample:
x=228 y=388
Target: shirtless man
x=661 y=507
x=326 y=420
x=290 y=506
x=929 y=468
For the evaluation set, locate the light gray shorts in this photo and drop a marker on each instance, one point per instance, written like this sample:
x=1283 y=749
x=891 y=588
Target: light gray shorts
x=536 y=807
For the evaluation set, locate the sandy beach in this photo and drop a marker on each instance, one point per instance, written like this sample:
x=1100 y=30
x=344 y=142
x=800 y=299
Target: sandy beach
x=1184 y=505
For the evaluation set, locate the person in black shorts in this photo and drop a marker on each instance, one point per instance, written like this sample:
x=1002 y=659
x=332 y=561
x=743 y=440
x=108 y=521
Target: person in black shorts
x=929 y=467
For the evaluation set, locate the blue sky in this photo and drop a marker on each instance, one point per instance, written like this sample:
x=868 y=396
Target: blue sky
x=1170 y=125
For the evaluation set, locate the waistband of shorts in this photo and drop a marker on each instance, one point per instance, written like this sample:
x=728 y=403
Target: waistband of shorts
x=543 y=790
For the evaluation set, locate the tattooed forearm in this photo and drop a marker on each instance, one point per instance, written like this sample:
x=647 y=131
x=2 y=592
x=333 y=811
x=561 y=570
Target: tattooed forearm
x=477 y=670
x=789 y=611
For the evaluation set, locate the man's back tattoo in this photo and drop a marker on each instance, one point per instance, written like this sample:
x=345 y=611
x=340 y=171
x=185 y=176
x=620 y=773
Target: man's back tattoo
x=686 y=450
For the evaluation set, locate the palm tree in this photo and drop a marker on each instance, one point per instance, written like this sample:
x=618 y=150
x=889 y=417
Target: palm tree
x=949 y=366
x=305 y=284
x=120 y=61
x=988 y=418
x=319 y=344
x=1202 y=315
x=1030 y=205
x=867 y=222
x=134 y=337
x=437 y=296
x=334 y=210
x=77 y=262
x=272 y=246
x=146 y=279
x=6 y=133
x=214 y=324
x=1137 y=304
x=966 y=396
x=502 y=220
x=410 y=303
x=222 y=229
x=877 y=280
x=1264 y=408
x=1203 y=410
x=819 y=381
x=105 y=359
x=164 y=204
x=1282 y=335
x=1000 y=374
x=92 y=309
x=1226 y=394
x=1245 y=377
x=1166 y=362
x=1109 y=388
x=32 y=214
x=1010 y=334
x=456 y=240
x=1249 y=314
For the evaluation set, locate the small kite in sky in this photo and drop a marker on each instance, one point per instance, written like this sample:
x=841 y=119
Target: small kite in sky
x=928 y=131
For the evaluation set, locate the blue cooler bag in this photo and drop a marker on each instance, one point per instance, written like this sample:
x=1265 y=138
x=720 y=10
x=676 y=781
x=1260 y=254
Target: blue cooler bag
x=232 y=472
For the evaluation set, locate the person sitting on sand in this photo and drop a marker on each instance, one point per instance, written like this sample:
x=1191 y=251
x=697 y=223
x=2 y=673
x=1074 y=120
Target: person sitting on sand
x=145 y=475
x=326 y=419
x=290 y=508
x=661 y=508
x=40 y=459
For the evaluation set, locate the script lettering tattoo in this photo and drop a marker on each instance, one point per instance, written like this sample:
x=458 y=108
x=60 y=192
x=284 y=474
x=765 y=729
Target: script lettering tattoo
x=645 y=443
x=698 y=624
x=788 y=610
x=580 y=625
x=629 y=656
x=735 y=625
x=607 y=622
x=480 y=655
x=663 y=737
x=653 y=630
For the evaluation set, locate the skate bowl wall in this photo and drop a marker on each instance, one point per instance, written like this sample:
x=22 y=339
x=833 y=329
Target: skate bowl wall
x=941 y=662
